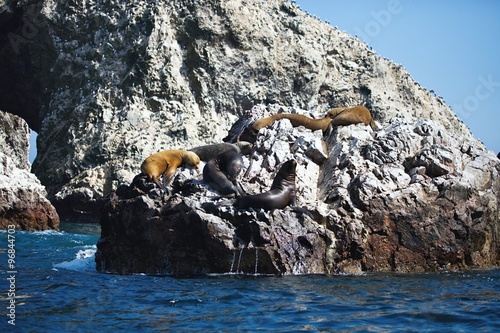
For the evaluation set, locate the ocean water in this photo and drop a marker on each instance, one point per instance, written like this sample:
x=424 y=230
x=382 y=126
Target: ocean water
x=58 y=290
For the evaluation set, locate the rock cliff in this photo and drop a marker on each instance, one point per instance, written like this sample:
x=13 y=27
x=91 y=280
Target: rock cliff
x=23 y=200
x=411 y=197
x=111 y=82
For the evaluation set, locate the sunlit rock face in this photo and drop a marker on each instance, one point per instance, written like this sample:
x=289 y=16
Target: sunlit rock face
x=23 y=200
x=108 y=83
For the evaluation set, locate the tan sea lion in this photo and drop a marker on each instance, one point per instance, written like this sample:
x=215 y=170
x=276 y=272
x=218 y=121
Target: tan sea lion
x=295 y=119
x=209 y=152
x=334 y=117
x=166 y=163
x=281 y=194
x=348 y=116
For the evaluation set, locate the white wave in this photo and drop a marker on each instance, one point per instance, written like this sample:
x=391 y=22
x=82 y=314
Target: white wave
x=83 y=262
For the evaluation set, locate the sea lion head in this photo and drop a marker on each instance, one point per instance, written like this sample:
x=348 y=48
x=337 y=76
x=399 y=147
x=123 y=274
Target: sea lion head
x=244 y=146
x=285 y=175
x=332 y=113
x=233 y=164
x=288 y=168
x=191 y=159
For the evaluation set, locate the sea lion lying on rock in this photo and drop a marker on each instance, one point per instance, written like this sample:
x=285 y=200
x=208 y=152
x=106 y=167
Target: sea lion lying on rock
x=348 y=116
x=166 y=163
x=209 y=152
x=334 y=117
x=221 y=172
x=295 y=119
x=281 y=194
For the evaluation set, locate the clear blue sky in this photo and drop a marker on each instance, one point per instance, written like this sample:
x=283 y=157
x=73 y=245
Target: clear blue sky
x=449 y=46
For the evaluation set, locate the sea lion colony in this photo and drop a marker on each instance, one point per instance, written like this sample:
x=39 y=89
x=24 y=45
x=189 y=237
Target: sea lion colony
x=224 y=162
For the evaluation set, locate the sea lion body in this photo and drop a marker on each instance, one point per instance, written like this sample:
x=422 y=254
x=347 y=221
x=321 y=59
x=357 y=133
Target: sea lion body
x=349 y=116
x=209 y=152
x=281 y=194
x=334 y=117
x=295 y=119
x=166 y=163
x=221 y=172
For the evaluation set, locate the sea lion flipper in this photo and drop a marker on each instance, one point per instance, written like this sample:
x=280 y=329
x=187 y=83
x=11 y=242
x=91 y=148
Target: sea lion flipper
x=374 y=125
x=240 y=188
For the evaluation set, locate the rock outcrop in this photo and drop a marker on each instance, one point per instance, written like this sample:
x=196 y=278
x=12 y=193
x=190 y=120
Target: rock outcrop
x=410 y=197
x=23 y=200
x=111 y=82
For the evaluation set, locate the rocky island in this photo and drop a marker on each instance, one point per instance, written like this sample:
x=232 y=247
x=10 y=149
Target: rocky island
x=105 y=85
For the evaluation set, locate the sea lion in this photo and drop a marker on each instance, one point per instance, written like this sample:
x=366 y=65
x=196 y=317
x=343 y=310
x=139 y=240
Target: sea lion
x=281 y=194
x=348 y=116
x=166 y=163
x=295 y=119
x=209 y=152
x=221 y=172
x=334 y=117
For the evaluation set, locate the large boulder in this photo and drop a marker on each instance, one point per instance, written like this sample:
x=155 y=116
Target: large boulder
x=411 y=197
x=23 y=200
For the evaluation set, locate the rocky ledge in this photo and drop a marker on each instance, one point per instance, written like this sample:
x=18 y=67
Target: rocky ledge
x=23 y=200
x=409 y=198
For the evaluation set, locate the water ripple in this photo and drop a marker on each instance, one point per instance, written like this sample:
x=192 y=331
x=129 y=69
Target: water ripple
x=59 y=291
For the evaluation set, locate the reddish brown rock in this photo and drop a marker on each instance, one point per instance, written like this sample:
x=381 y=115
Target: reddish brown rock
x=23 y=200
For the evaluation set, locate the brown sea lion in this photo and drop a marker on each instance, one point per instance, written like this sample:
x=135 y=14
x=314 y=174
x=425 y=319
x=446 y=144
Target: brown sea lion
x=281 y=194
x=166 y=163
x=295 y=119
x=348 y=116
x=334 y=117
x=221 y=172
x=209 y=152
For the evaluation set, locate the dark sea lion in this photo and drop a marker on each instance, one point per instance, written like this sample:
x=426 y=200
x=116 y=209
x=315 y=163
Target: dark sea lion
x=281 y=194
x=349 y=116
x=221 y=172
x=166 y=163
x=209 y=152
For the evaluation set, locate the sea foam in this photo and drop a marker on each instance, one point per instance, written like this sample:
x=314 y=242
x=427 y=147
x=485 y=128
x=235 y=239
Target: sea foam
x=83 y=262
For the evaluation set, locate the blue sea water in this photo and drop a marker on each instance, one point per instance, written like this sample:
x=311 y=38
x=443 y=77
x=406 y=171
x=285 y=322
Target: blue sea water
x=57 y=289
